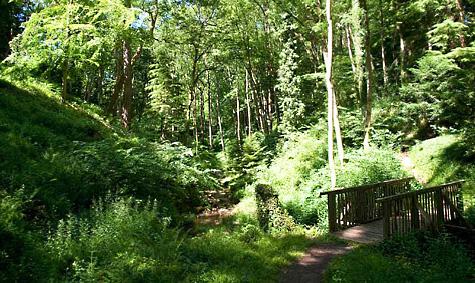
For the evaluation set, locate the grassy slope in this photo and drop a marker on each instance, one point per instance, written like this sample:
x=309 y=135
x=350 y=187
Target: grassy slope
x=440 y=160
x=33 y=124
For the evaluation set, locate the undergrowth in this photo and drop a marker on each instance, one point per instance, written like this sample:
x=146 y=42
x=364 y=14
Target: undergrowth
x=415 y=258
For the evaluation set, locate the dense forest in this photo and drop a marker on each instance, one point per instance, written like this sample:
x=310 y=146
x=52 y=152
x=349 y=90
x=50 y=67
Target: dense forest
x=191 y=141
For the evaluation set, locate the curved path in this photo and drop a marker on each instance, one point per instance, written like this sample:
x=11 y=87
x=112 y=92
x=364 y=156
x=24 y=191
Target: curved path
x=311 y=266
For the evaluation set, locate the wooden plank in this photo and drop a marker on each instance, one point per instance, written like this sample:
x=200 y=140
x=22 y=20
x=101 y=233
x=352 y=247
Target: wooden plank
x=367 y=233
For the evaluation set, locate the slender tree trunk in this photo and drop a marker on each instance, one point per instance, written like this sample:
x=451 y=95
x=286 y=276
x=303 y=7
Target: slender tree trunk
x=356 y=31
x=119 y=80
x=402 y=53
x=461 y=18
x=195 y=120
x=64 y=81
x=238 y=119
x=210 y=111
x=339 y=139
x=383 y=53
x=248 y=104
x=220 y=125
x=369 y=79
x=329 y=83
x=126 y=109
x=350 y=51
x=202 y=118
x=100 y=84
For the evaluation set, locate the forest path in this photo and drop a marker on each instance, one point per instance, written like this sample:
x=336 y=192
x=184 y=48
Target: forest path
x=311 y=267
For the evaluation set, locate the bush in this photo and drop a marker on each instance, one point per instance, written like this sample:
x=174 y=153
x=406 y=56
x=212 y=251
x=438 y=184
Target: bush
x=21 y=253
x=300 y=172
x=272 y=217
x=119 y=240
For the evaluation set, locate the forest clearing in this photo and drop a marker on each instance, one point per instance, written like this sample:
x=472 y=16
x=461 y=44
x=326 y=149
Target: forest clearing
x=237 y=141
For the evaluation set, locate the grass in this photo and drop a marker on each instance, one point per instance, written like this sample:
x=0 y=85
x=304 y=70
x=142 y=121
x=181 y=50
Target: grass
x=441 y=160
x=415 y=258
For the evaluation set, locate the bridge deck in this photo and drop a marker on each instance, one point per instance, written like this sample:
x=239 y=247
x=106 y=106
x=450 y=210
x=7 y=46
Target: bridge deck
x=366 y=233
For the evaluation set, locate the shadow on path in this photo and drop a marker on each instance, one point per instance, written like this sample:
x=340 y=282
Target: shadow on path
x=311 y=266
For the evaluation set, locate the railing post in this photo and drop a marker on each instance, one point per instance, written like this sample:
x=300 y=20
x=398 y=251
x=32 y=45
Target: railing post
x=415 y=213
x=386 y=217
x=332 y=212
x=439 y=208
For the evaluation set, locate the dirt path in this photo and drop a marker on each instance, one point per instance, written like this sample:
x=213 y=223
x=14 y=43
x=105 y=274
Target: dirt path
x=311 y=266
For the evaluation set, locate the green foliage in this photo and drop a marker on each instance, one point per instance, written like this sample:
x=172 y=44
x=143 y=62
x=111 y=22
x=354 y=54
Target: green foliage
x=117 y=240
x=300 y=172
x=21 y=257
x=272 y=217
x=416 y=258
x=66 y=156
x=241 y=163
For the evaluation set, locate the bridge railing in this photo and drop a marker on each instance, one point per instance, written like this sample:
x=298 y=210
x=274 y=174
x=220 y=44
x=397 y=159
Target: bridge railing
x=353 y=206
x=426 y=209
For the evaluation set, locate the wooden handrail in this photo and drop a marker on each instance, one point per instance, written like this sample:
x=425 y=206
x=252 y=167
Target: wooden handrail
x=425 y=209
x=366 y=186
x=418 y=192
x=357 y=205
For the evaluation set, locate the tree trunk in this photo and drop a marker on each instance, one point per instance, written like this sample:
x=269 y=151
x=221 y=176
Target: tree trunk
x=202 y=118
x=119 y=80
x=218 y=114
x=369 y=79
x=210 y=111
x=383 y=53
x=402 y=53
x=350 y=51
x=358 y=44
x=126 y=109
x=329 y=83
x=339 y=139
x=248 y=104
x=461 y=18
x=238 y=119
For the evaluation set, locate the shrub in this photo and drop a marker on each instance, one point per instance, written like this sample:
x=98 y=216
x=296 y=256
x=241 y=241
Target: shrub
x=300 y=173
x=120 y=239
x=272 y=217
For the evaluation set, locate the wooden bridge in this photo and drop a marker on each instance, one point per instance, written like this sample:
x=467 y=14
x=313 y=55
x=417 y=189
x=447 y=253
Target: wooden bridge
x=374 y=212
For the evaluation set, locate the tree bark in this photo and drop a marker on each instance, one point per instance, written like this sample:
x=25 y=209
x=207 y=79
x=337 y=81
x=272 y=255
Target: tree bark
x=461 y=18
x=350 y=51
x=210 y=111
x=369 y=79
x=359 y=53
x=329 y=84
x=126 y=109
x=220 y=125
x=383 y=52
x=402 y=53
x=339 y=139
x=248 y=104
x=119 y=80
x=238 y=119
